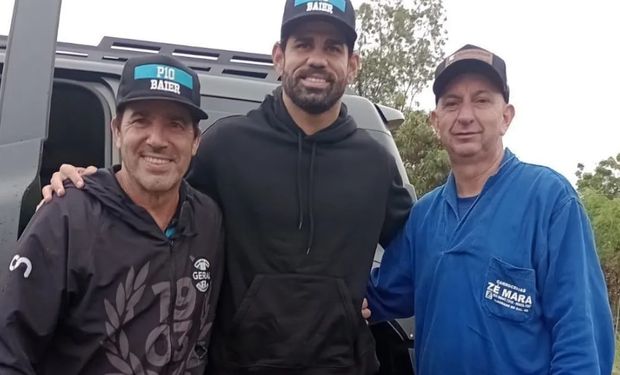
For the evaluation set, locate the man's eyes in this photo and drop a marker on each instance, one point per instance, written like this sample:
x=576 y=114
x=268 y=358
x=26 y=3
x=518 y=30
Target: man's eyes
x=138 y=120
x=179 y=124
x=335 y=48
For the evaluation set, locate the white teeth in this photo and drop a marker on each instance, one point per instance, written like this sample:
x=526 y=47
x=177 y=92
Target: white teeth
x=153 y=160
x=314 y=79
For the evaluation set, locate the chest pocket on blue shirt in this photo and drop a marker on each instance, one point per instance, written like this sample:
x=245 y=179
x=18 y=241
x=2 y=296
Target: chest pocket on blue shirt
x=509 y=291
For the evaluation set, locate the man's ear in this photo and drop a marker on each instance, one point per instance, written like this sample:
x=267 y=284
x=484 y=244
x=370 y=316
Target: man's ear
x=195 y=145
x=433 y=121
x=507 y=116
x=277 y=55
x=355 y=64
x=115 y=126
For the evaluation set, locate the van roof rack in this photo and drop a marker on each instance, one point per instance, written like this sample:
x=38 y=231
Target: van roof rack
x=204 y=60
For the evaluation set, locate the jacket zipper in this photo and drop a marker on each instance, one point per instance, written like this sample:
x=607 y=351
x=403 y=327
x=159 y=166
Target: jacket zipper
x=173 y=302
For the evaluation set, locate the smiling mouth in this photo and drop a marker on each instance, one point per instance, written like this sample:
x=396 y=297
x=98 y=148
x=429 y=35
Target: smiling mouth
x=153 y=160
x=315 y=79
x=315 y=82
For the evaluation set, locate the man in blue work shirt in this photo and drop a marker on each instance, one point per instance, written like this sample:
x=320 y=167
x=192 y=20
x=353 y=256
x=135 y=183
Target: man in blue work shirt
x=498 y=264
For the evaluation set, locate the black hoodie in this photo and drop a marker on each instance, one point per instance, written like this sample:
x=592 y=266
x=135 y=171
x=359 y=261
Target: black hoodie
x=96 y=287
x=303 y=215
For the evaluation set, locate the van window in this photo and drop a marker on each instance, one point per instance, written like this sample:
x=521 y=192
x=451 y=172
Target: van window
x=77 y=129
x=76 y=135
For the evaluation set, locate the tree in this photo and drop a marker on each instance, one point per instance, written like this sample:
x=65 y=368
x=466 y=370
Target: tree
x=600 y=193
x=604 y=213
x=605 y=179
x=400 y=43
x=425 y=160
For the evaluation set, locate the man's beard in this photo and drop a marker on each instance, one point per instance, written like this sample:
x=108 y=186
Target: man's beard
x=314 y=101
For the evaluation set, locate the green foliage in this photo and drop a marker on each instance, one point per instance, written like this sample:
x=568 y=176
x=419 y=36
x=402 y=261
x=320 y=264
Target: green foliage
x=605 y=179
x=425 y=160
x=600 y=193
x=604 y=213
x=400 y=43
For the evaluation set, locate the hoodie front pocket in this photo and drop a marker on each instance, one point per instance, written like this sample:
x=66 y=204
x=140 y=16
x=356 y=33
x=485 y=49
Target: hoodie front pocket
x=293 y=321
x=509 y=291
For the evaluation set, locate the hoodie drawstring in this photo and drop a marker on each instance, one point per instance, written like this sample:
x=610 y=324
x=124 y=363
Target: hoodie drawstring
x=311 y=198
x=300 y=208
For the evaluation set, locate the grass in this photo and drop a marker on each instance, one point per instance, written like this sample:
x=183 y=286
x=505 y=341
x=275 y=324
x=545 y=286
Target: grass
x=616 y=369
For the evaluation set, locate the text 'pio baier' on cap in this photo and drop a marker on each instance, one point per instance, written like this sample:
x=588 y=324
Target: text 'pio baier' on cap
x=471 y=59
x=160 y=77
x=339 y=12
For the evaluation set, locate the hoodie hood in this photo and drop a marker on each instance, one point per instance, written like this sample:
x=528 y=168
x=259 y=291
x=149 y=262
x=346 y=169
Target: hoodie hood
x=104 y=187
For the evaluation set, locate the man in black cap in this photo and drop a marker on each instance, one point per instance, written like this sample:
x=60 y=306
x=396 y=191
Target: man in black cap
x=306 y=197
x=122 y=276
x=499 y=264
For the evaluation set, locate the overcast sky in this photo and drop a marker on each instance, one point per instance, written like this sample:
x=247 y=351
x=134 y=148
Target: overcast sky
x=561 y=57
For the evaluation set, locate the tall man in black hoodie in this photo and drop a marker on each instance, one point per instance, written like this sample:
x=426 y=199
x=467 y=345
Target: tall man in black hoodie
x=306 y=197
x=127 y=280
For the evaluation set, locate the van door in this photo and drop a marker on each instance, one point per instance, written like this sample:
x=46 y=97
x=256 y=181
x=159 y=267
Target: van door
x=25 y=92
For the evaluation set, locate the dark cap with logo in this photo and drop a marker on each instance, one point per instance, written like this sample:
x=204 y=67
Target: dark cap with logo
x=160 y=77
x=471 y=59
x=339 y=12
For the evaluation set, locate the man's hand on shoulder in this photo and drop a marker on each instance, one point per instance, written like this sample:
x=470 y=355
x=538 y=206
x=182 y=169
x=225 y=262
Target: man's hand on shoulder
x=66 y=171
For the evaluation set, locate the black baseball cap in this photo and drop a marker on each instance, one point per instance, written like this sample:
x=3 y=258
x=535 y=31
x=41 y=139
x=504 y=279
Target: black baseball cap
x=339 y=12
x=160 y=77
x=471 y=59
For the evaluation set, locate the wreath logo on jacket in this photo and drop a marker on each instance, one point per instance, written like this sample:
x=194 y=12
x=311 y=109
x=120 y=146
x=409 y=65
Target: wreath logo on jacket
x=202 y=274
x=117 y=345
x=121 y=310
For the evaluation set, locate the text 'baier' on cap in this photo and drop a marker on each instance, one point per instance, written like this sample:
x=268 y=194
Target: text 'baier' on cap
x=340 y=12
x=160 y=77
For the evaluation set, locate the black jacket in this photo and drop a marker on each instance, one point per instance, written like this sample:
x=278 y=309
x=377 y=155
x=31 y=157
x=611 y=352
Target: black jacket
x=303 y=215
x=96 y=287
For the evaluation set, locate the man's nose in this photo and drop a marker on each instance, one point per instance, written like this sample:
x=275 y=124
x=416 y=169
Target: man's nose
x=157 y=135
x=466 y=113
x=317 y=58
